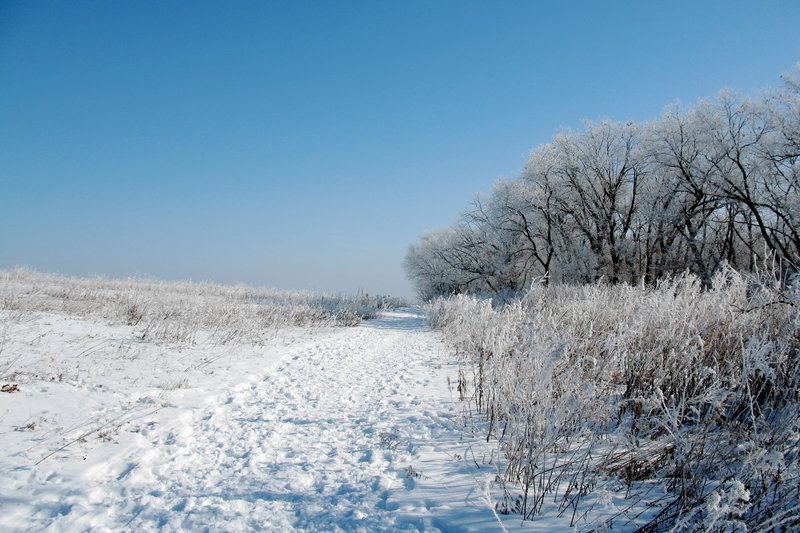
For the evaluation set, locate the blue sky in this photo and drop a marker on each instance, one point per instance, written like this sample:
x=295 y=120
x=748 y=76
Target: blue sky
x=307 y=144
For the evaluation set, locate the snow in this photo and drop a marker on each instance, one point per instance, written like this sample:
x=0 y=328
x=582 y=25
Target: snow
x=337 y=429
x=334 y=429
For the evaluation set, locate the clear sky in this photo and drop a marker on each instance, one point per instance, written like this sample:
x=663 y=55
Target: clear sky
x=306 y=144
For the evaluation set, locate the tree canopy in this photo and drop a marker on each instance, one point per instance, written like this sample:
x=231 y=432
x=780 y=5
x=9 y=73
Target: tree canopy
x=717 y=183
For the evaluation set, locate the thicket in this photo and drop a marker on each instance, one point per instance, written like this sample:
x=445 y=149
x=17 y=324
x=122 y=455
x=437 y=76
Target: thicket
x=718 y=183
x=180 y=311
x=685 y=398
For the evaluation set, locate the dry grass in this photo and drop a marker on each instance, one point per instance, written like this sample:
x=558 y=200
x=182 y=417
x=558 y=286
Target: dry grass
x=177 y=312
x=693 y=390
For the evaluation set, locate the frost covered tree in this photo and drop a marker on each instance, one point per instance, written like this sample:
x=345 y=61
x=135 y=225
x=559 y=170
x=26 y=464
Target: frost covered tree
x=684 y=213
x=716 y=184
x=599 y=173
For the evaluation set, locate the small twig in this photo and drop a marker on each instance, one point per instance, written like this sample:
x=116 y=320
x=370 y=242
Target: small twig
x=86 y=434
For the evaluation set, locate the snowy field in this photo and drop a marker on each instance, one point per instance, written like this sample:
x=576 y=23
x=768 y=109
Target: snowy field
x=113 y=424
x=314 y=428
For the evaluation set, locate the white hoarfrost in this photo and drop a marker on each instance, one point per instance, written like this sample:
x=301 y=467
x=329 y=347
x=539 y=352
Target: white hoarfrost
x=347 y=429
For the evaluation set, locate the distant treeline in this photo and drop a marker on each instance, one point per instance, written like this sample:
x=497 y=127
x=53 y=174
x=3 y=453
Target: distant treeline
x=698 y=188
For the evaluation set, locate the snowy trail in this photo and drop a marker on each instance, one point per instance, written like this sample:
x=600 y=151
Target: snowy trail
x=298 y=450
x=340 y=436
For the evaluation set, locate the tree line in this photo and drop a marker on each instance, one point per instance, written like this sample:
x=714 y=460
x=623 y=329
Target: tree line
x=717 y=183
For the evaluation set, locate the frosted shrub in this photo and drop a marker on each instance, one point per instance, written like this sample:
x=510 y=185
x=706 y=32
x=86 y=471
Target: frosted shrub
x=690 y=390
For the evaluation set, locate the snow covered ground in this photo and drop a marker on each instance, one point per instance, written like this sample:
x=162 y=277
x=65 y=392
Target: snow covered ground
x=337 y=429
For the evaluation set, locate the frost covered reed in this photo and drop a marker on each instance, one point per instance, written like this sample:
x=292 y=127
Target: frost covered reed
x=180 y=311
x=684 y=399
